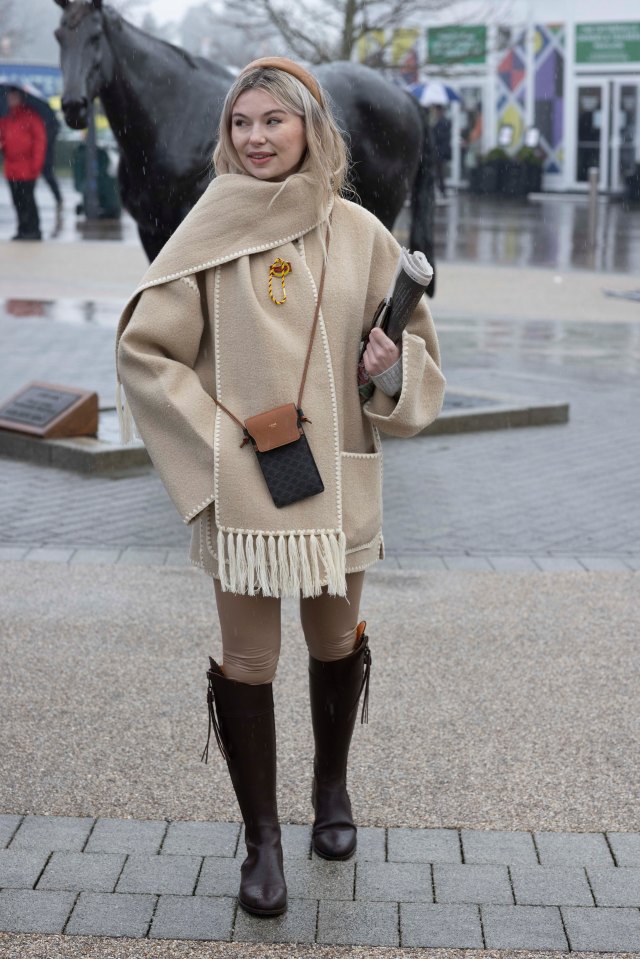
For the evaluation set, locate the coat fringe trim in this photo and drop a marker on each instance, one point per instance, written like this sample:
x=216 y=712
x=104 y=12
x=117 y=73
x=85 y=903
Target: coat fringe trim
x=288 y=564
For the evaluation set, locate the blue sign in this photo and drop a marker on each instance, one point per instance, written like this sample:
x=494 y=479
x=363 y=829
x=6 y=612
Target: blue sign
x=46 y=80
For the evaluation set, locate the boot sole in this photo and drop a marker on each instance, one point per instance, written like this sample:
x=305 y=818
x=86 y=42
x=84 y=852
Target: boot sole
x=265 y=913
x=342 y=858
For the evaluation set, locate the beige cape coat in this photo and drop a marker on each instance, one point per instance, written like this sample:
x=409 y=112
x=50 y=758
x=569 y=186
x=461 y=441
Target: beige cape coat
x=175 y=353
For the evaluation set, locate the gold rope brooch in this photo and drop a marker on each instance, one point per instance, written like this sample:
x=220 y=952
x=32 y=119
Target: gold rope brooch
x=279 y=268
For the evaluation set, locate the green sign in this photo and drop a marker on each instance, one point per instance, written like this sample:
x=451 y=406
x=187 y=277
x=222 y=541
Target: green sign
x=457 y=44
x=608 y=42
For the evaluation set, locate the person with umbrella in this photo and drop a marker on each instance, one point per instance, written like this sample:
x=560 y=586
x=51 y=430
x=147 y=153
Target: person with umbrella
x=23 y=142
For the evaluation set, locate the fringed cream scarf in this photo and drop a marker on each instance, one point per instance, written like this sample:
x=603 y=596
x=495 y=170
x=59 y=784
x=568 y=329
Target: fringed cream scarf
x=234 y=233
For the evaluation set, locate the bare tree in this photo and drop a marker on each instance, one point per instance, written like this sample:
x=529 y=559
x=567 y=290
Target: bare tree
x=14 y=30
x=319 y=31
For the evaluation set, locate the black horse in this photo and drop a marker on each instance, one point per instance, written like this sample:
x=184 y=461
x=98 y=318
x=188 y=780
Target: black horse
x=164 y=105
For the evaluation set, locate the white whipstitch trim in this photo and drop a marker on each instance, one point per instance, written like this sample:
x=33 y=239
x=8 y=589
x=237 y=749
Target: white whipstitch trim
x=190 y=283
x=293 y=565
x=223 y=259
x=198 y=509
x=126 y=422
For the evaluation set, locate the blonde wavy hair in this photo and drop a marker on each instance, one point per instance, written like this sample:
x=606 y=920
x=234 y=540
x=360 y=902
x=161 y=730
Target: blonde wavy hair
x=326 y=163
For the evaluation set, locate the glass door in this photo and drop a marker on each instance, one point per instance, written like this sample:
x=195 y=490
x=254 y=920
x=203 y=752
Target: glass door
x=625 y=131
x=592 y=129
x=468 y=131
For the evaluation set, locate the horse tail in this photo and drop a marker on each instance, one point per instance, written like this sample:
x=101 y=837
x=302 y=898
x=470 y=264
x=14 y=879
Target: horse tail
x=422 y=234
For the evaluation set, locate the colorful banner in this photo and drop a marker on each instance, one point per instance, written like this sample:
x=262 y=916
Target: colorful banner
x=371 y=47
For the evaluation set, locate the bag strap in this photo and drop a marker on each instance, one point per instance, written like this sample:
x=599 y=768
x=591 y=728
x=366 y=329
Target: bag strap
x=205 y=313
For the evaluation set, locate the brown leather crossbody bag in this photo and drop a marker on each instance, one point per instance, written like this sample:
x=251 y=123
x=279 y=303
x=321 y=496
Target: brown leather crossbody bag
x=277 y=436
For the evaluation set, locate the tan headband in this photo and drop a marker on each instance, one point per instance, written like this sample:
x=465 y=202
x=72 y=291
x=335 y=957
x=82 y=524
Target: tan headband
x=291 y=67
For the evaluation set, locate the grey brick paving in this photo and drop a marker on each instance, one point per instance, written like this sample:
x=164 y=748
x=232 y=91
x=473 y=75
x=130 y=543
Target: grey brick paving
x=609 y=930
x=160 y=874
x=297 y=925
x=394 y=881
x=201 y=839
x=498 y=846
x=573 y=848
x=126 y=836
x=27 y=910
x=219 y=877
x=425 y=924
x=320 y=879
x=523 y=927
x=8 y=825
x=52 y=833
x=615 y=887
x=111 y=914
x=20 y=868
x=358 y=923
x=626 y=847
x=424 y=845
x=550 y=886
x=472 y=883
x=182 y=917
x=93 y=872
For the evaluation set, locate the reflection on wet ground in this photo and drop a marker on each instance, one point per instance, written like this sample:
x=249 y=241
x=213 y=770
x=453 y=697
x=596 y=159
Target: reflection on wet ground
x=604 y=350
x=551 y=232
x=75 y=312
x=547 y=232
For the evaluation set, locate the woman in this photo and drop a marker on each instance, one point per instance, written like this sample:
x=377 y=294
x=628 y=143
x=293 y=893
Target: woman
x=264 y=292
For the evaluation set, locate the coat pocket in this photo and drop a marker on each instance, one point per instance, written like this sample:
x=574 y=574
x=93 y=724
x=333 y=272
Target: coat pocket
x=361 y=497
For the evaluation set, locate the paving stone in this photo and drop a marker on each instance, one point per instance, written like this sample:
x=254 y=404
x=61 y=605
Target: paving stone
x=633 y=562
x=191 y=917
x=297 y=925
x=111 y=914
x=219 y=877
x=358 y=923
x=19 y=868
x=409 y=561
x=95 y=557
x=319 y=879
x=49 y=554
x=394 y=881
x=573 y=849
x=498 y=846
x=613 y=887
x=201 y=839
x=551 y=886
x=513 y=564
x=424 y=845
x=611 y=930
x=160 y=874
x=8 y=826
x=472 y=883
x=93 y=872
x=475 y=564
x=371 y=844
x=126 y=836
x=139 y=556
x=626 y=847
x=29 y=910
x=603 y=564
x=523 y=927
x=13 y=553
x=52 y=833
x=178 y=557
x=426 y=924
x=558 y=564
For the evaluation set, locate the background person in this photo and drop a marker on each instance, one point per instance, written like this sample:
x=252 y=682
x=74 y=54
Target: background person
x=23 y=142
x=441 y=134
x=219 y=331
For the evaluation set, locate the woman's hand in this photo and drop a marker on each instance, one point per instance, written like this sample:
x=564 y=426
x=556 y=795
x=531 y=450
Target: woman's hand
x=381 y=352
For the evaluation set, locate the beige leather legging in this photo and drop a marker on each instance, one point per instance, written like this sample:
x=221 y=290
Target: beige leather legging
x=250 y=628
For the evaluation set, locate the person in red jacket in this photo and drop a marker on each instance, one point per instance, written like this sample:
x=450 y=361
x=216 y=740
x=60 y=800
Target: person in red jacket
x=23 y=141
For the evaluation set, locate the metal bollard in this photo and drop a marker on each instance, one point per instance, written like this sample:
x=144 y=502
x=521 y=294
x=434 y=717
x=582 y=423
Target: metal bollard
x=592 y=221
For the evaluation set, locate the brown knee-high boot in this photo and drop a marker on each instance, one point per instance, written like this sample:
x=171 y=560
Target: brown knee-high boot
x=335 y=690
x=246 y=734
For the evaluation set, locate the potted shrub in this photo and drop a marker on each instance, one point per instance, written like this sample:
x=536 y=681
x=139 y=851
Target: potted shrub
x=531 y=161
x=492 y=171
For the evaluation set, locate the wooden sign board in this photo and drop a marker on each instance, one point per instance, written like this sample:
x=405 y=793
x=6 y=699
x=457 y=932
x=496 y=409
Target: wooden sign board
x=51 y=411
